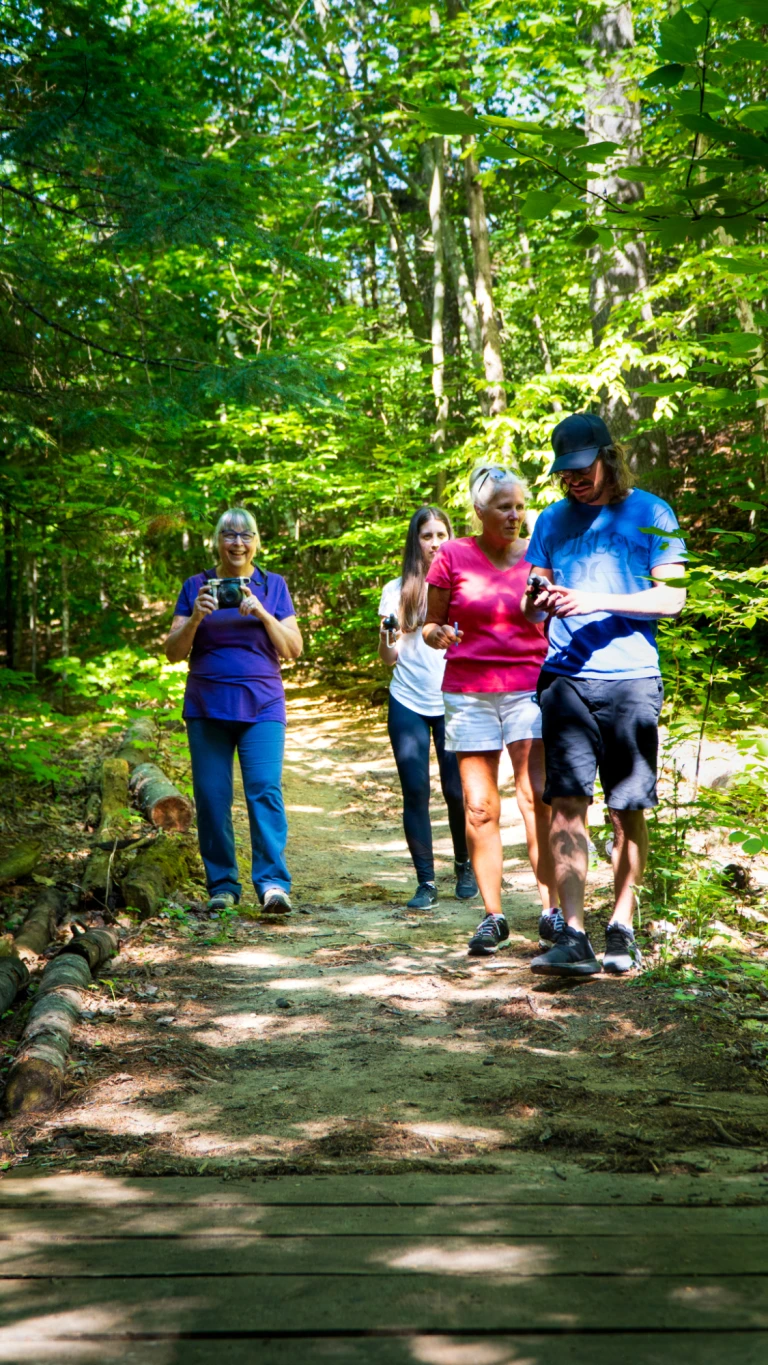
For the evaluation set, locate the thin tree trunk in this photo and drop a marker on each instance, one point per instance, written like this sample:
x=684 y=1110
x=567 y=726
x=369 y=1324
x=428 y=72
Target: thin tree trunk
x=539 y=328
x=64 y=606
x=10 y=616
x=409 y=289
x=613 y=115
x=436 y=157
x=33 y=615
x=495 y=399
x=462 y=289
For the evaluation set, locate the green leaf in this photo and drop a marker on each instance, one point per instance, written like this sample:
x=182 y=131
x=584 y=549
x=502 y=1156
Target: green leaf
x=596 y=152
x=753 y=845
x=738 y=343
x=665 y=76
x=743 y=265
x=586 y=236
x=663 y=390
x=746 y=143
x=539 y=204
x=749 y=506
x=451 y=122
x=681 y=38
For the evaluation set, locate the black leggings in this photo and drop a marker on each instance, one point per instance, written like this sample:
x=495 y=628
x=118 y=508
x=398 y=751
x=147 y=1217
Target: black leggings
x=410 y=734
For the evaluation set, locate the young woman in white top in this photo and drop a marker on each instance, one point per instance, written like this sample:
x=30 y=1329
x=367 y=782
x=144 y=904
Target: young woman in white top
x=417 y=712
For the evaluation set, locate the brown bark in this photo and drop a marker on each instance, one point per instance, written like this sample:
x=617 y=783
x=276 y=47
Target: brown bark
x=40 y=925
x=159 y=801
x=99 y=875
x=97 y=946
x=495 y=399
x=21 y=860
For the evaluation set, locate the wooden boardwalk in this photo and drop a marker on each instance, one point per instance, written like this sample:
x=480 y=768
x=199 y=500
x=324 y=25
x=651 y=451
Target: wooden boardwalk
x=413 y=1269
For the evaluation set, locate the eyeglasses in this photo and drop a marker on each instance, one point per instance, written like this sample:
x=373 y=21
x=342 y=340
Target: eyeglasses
x=232 y=536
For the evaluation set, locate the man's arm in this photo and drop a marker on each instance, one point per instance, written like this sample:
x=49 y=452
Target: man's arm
x=659 y=601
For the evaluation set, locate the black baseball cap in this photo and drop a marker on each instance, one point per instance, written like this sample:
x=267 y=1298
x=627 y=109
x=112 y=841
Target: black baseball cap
x=578 y=440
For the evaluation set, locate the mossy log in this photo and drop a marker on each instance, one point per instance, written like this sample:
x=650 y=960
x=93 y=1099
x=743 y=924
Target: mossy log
x=139 y=743
x=40 y=925
x=36 y=1076
x=159 y=801
x=14 y=976
x=21 y=860
x=99 y=874
x=155 y=872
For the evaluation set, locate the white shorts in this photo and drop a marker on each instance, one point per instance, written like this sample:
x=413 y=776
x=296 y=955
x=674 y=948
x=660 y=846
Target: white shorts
x=479 y=722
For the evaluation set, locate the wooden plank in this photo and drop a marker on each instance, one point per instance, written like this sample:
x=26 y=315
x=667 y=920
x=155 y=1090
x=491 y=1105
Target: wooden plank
x=400 y=1303
x=693 y=1348
x=275 y=1255
x=412 y=1188
x=466 y=1220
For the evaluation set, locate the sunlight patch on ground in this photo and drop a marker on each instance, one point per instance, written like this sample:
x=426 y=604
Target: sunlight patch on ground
x=245 y=957
x=305 y=810
x=455 y=1132
x=250 y=1025
x=40 y=1338
x=445 y=1044
x=444 y=1351
x=474 y=1258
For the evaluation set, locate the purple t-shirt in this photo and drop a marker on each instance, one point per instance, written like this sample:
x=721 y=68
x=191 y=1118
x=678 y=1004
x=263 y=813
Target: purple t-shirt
x=234 y=668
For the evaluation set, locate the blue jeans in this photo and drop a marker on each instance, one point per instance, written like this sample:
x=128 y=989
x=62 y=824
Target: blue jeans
x=259 y=745
x=410 y=736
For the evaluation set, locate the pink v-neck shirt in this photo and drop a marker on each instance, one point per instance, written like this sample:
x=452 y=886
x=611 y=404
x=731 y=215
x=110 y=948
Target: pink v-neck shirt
x=501 y=651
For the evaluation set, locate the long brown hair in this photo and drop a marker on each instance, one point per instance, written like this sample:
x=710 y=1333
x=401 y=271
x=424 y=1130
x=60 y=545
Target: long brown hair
x=413 y=593
x=618 y=472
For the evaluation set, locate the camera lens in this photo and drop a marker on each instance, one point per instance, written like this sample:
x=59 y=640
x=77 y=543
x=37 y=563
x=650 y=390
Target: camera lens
x=229 y=595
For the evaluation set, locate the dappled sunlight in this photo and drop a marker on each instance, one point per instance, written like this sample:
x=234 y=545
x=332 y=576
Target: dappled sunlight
x=247 y=957
x=455 y=1132
x=36 y=1338
x=246 y=1025
x=710 y=1298
x=448 y=1351
x=473 y=1258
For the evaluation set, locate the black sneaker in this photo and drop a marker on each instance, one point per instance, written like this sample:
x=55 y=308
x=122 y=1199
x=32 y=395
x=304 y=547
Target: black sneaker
x=466 y=885
x=424 y=897
x=621 y=954
x=550 y=925
x=571 y=955
x=488 y=937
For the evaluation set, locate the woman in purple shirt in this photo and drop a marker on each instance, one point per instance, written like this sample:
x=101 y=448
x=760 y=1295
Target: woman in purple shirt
x=234 y=700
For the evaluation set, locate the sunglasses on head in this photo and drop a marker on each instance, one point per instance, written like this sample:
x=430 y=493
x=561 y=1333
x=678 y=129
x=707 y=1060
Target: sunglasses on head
x=495 y=474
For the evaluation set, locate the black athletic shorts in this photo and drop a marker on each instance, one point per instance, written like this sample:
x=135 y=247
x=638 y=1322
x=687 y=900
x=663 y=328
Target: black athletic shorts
x=609 y=726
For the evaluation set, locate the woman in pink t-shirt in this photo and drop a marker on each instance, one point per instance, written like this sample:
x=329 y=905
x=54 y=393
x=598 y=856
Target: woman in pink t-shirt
x=493 y=660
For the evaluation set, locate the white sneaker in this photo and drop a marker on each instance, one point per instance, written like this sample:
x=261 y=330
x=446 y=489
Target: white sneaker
x=276 y=901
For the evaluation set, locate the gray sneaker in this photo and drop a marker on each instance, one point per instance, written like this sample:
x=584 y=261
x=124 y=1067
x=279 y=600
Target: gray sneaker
x=276 y=901
x=621 y=954
x=223 y=900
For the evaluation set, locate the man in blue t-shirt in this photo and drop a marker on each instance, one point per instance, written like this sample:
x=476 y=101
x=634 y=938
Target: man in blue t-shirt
x=611 y=553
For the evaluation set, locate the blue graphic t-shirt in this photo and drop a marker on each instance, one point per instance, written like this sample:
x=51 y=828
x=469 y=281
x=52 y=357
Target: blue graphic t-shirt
x=605 y=549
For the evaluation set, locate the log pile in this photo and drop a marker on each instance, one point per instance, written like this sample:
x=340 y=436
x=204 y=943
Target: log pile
x=113 y=823
x=14 y=975
x=36 y=1076
x=139 y=743
x=159 y=801
x=40 y=925
x=156 y=871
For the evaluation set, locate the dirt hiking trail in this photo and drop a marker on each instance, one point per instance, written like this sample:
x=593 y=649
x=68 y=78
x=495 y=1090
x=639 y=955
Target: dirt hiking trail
x=358 y=1036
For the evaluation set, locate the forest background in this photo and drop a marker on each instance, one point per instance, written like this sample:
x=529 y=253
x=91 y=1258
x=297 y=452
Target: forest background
x=321 y=258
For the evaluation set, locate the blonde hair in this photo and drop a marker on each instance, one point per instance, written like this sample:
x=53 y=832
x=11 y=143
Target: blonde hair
x=238 y=519
x=486 y=480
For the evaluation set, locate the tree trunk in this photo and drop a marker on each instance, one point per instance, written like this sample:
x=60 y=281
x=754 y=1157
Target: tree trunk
x=64 y=606
x=99 y=874
x=32 y=593
x=14 y=975
x=36 y=1076
x=156 y=871
x=139 y=743
x=22 y=859
x=463 y=290
x=159 y=801
x=435 y=159
x=613 y=115
x=8 y=585
x=40 y=925
x=494 y=400
x=538 y=325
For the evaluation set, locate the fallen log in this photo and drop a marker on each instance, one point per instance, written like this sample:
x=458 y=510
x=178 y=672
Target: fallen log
x=14 y=976
x=36 y=1076
x=21 y=860
x=99 y=874
x=139 y=743
x=95 y=945
x=155 y=872
x=159 y=801
x=40 y=925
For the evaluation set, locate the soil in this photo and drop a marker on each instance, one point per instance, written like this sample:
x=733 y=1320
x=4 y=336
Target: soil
x=357 y=1035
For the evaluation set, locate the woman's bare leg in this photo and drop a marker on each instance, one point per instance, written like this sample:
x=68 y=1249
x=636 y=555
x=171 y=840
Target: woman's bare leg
x=528 y=763
x=480 y=784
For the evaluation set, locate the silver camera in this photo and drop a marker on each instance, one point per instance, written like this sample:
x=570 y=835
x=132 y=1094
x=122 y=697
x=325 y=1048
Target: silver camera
x=228 y=592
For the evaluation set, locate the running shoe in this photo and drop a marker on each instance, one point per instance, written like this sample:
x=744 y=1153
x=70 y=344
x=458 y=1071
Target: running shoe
x=621 y=954
x=489 y=936
x=276 y=901
x=424 y=897
x=223 y=900
x=550 y=924
x=466 y=885
x=572 y=954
